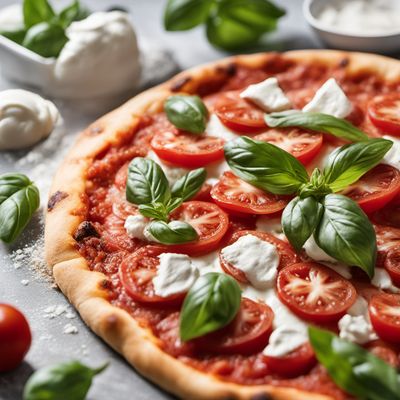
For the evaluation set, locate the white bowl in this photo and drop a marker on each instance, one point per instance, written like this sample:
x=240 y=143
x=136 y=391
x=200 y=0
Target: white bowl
x=375 y=43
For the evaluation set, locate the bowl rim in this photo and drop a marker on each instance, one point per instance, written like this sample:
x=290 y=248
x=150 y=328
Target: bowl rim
x=315 y=23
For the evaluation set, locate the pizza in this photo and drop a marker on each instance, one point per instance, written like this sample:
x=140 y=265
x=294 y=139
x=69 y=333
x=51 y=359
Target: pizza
x=204 y=226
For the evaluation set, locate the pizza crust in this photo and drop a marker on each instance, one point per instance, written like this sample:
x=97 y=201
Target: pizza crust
x=87 y=290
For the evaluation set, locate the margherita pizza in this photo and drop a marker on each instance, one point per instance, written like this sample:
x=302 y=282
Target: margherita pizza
x=234 y=232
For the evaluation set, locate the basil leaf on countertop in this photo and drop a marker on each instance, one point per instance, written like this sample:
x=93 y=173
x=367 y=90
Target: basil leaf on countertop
x=188 y=113
x=71 y=13
x=346 y=234
x=37 y=11
x=19 y=199
x=181 y=15
x=188 y=186
x=299 y=220
x=174 y=232
x=146 y=182
x=64 y=381
x=211 y=303
x=46 y=39
x=316 y=122
x=265 y=166
x=354 y=369
x=349 y=163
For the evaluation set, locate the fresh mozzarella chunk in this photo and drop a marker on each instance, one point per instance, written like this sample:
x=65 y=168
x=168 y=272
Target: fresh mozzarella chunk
x=267 y=95
x=217 y=129
x=383 y=281
x=330 y=99
x=208 y=263
x=392 y=157
x=136 y=225
x=175 y=274
x=284 y=340
x=315 y=252
x=215 y=170
x=257 y=258
x=270 y=225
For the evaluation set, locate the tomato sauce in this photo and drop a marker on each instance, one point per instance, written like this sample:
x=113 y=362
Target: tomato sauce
x=107 y=208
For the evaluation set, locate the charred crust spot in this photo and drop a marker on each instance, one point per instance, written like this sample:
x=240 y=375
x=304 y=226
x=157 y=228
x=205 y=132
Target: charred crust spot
x=105 y=284
x=85 y=229
x=56 y=198
x=111 y=321
x=95 y=130
x=180 y=83
x=344 y=62
x=262 y=396
x=229 y=70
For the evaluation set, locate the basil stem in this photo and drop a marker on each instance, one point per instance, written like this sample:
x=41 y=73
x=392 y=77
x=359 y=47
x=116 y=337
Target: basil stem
x=188 y=186
x=19 y=199
x=354 y=369
x=37 y=11
x=175 y=232
x=63 y=381
x=316 y=122
x=211 y=303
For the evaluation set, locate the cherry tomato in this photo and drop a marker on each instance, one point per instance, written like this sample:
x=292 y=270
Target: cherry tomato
x=246 y=334
x=137 y=272
x=392 y=264
x=286 y=255
x=389 y=215
x=121 y=176
x=15 y=337
x=376 y=188
x=186 y=149
x=239 y=114
x=315 y=292
x=238 y=196
x=237 y=224
x=114 y=236
x=384 y=112
x=209 y=221
x=384 y=311
x=302 y=144
x=296 y=363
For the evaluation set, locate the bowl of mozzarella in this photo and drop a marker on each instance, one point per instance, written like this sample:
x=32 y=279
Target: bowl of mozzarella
x=363 y=25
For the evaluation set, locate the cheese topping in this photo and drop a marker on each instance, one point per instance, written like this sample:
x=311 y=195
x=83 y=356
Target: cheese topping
x=217 y=129
x=136 y=225
x=175 y=274
x=284 y=340
x=272 y=226
x=330 y=99
x=257 y=258
x=267 y=95
x=315 y=252
x=392 y=157
x=383 y=281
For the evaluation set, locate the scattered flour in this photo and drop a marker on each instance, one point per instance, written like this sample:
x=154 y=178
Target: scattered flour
x=70 y=329
x=25 y=282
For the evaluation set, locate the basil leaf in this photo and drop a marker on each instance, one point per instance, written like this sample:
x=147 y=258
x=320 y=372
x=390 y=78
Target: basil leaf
x=175 y=232
x=188 y=186
x=212 y=303
x=16 y=36
x=174 y=203
x=45 y=39
x=73 y=12
x=265 y=166
x=299 y=220
x=146 y=182
x=37 y=11
x=346 y=234
x=354 y=369
x=181 y=15
x=187 y=112
x=63 y=381
x=316 y=122
x=349 y=163
x=154 y=210
x=19 y=199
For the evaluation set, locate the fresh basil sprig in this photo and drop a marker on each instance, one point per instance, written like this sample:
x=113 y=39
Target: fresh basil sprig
x=37 y=11
x=354 y=369
x=211 y=303
x=19 y=199
x=316 y=122
x=67 y=381
x=188 y=113
x=148 y=187
x=230 y=24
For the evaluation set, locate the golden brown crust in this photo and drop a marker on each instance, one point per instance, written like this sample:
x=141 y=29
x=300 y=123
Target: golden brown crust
x=85 y=288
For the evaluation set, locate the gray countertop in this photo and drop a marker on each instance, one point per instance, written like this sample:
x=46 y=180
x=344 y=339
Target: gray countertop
x=21 y=280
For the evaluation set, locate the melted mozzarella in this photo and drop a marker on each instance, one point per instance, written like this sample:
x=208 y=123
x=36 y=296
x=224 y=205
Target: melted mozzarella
x=257 y=258
x=136 y=225
x=217 y=129
x=330 y=99
x=175 y=274
x=270 y=225
x=392 y=157
x=383 y=281
x=315 y=252
x=284 y=340
x=267 y=95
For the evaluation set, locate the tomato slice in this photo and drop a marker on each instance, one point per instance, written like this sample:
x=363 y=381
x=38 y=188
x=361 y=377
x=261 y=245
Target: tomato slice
x=302 y=144
x=238 y=114
x=392 y=264
x=286 y=255
x=238 y=196
x=246 y=334
x=376 y=188
x=315 y=292
x=296 y=363
x=389 y=215
x=137 y=272
x=384 y=112
x=186 y=149
x=209 y=221
x=121 y=176
x=384 y=311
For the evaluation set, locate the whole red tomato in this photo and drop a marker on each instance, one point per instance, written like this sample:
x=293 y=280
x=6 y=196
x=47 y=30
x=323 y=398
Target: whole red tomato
x=15 y=337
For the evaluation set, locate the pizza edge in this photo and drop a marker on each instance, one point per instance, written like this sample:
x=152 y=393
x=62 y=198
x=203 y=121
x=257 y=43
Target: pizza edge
x=86 y=289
